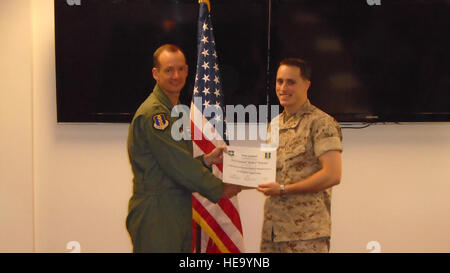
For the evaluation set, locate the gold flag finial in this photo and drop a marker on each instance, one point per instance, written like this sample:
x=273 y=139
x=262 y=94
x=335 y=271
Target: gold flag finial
x=207 y=3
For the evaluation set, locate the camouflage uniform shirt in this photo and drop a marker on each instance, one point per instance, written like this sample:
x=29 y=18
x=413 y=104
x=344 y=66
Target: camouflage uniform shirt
x=303 y=138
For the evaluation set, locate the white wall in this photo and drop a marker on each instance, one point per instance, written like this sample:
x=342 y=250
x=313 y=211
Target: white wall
x=16 y=188
x=75 y=180
x=395 y=189
x=82 y=177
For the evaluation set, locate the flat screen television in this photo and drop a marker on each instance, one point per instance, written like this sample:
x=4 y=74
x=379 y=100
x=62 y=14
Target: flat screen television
x=385 y=62
x=371 y=63
x=104 y=52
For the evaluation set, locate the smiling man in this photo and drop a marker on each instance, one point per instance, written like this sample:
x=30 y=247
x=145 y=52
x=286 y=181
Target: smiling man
x=165 y=173
x=170 y=71
x=297 y=212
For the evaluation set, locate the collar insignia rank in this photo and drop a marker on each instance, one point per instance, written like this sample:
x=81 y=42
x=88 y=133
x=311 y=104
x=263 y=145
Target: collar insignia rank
x=160 y=122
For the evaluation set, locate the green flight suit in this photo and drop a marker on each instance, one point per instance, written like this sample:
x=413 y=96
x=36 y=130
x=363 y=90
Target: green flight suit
x=165 y=175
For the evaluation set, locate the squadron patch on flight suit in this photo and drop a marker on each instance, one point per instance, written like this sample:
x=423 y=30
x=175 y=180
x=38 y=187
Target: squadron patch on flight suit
x=160 y=122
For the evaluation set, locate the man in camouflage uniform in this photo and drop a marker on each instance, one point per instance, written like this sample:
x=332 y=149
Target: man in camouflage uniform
x=165 y=173
x=297 y=211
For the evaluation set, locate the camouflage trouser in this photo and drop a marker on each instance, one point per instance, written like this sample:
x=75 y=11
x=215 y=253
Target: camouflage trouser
x=321 y=245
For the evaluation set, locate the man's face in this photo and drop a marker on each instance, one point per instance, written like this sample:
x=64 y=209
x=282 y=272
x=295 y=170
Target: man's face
x=291 y=88
x=171 y=73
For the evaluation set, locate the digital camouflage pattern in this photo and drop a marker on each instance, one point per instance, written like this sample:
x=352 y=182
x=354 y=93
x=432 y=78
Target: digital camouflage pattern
x=303 y=138
x=309 y=246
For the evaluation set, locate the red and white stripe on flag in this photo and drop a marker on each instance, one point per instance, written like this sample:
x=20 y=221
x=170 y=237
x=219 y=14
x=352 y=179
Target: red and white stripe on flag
x=220 y=222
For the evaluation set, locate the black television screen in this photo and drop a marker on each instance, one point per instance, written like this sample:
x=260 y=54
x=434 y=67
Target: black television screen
x=104 y=52
x=386 y=62
x=371 y=63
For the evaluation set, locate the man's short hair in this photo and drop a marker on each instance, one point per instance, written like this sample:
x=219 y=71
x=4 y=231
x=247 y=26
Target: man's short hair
x=305 y=69
x=161 y=49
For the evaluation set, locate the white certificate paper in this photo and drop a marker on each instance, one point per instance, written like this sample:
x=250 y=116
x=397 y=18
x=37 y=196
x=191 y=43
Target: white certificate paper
x=249 y=166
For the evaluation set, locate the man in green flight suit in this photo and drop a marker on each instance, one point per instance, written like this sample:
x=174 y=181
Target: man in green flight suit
x=165 y=173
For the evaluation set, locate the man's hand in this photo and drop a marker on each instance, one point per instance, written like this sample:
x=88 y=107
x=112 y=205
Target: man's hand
x=270 y=189
x=231 y=190
x=215 y=157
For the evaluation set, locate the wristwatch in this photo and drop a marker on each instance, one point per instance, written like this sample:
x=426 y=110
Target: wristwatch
x=282 y=191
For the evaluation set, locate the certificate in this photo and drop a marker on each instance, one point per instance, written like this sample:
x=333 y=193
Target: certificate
x=249 y=166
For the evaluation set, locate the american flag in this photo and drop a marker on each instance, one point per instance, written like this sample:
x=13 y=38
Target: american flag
x=221 y=222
